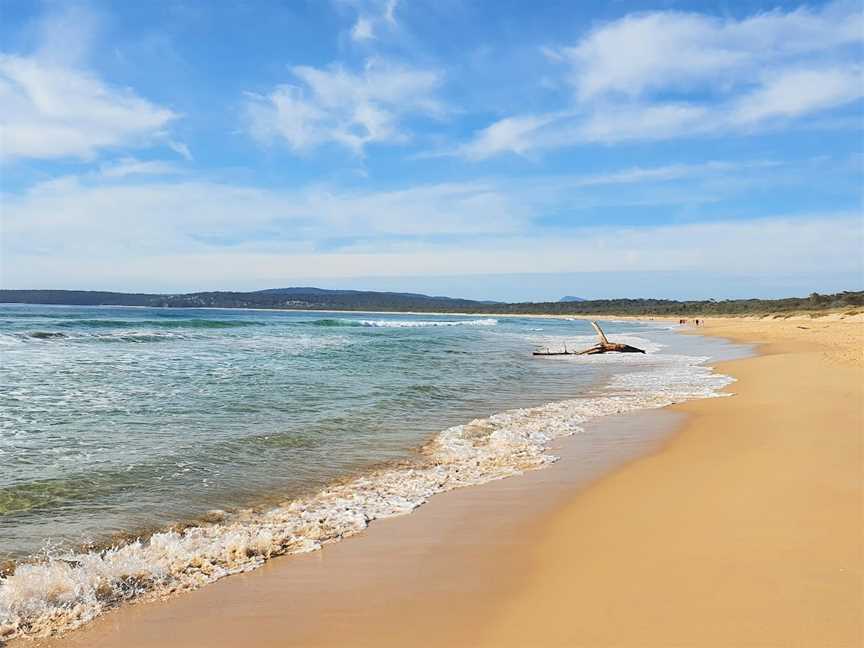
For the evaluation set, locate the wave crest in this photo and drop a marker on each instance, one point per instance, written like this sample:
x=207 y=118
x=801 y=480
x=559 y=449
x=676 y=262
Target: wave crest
x=67 y=591
x=383 y=323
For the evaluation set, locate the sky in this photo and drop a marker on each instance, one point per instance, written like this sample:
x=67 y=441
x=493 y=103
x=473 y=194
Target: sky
x=484 y=149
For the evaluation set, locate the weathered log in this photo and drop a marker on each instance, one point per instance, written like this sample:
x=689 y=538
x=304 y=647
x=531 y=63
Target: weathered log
x=605 y=346
x=610 y=346
x=548 y=352
x=600 y=333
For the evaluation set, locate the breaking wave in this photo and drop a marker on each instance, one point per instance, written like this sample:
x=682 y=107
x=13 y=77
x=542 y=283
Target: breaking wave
x=167 y=323
x=382 y=323
x=67 y=590
x=115 y=336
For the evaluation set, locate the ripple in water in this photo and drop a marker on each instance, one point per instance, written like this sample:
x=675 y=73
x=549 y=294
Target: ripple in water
x=323 y=424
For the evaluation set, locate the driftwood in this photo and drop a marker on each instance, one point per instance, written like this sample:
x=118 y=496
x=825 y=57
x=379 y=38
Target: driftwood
x=605 y=346
x=564 y=352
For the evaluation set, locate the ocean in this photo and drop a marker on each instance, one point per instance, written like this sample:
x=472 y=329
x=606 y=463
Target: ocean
x=147 y=451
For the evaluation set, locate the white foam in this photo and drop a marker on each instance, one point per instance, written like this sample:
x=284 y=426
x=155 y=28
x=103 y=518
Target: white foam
x=424 y=323
x=67 y=591
x=577 y=342
x=293 y=344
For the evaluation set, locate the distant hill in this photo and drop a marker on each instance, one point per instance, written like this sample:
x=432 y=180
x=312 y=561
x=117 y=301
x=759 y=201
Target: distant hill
x=279 y=298
x=308 y=298
x=570 y=298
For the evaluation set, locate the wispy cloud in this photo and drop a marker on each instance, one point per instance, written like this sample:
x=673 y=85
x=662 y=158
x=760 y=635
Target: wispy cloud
x=52 y=112
x=373 y=17
x=347 y=108
x=794 y=92
x=180 y=149
x=154 y=229
x=663 y=75
x=511 y=134
x=122 y=210
x=661 y=51
x=52 y=105
x=65 y=34
x=106 y=218
x=670 y=172
x=130 y=166
x=362 y=29
x=757 y=247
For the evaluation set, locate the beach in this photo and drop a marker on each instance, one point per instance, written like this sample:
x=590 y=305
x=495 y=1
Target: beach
x=383 y=324
x=744 y=531
x=741 y=528
x=261 y=434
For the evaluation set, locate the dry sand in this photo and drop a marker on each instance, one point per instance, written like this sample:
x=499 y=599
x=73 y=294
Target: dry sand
x=744 y=530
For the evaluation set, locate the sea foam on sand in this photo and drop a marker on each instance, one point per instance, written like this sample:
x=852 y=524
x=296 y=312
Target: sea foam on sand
x=65 y=591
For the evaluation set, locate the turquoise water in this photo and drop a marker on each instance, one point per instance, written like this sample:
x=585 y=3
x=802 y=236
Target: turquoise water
x=272 y=432
x=124 y=419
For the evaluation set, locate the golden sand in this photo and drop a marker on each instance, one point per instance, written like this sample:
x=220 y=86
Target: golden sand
x=745 y=530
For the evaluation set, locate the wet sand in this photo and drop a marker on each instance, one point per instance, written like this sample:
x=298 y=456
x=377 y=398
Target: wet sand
x=743 y=529
x=443 y=561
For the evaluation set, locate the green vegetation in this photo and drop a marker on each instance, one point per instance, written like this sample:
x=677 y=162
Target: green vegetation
x=356 y=300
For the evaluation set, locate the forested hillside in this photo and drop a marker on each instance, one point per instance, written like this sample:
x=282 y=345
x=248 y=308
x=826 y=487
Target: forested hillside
x=356 y=300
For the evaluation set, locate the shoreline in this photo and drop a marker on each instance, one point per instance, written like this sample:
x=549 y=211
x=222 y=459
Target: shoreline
x=747 y=529
x=459 y=458
x=495 y=617
x=457 y=531
x=825 y=315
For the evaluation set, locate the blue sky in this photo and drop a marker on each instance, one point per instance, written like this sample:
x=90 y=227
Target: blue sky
x=503 y=150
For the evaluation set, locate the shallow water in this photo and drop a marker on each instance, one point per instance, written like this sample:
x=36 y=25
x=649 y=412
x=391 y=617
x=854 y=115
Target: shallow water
x=119 y=421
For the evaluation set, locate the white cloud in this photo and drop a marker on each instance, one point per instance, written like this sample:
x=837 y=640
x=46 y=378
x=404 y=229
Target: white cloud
x=663 y=75
x=670 y=172
x=373 y=16
x=390 y=11
x=552 y=54
x=48 y=111
x=795 y=92
x=755 y=247
x=135 y=217
x=66 y=33
x=352 y=109
x=784 y=96
x=362 y=29
x=513 y=134
x=180 y=149
x=72 y=229
x=672 y=50
x=130 y=166
x=643 y=122
x=125 y=210
x=614 y=123
x=651 y=51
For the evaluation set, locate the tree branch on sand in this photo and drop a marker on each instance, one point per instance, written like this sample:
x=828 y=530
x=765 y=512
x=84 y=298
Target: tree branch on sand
x=604 y=346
